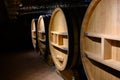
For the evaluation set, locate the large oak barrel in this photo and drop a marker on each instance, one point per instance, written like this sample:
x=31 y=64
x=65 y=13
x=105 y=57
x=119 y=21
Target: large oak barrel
x=100 y=40
x=42 y=33
x=34 y=33
x=42 y=27
x=63 y=36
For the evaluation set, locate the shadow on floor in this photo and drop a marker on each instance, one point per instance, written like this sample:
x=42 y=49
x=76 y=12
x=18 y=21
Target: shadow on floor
x=27 y=65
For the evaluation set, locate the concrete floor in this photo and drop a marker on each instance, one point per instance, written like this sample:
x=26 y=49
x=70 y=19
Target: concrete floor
x=27 y=65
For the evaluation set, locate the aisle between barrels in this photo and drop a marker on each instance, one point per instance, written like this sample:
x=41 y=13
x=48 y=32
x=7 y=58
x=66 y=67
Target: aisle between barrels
x=26 y=65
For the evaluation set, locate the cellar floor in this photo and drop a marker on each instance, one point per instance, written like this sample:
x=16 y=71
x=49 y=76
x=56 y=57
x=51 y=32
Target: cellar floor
x=27 y=65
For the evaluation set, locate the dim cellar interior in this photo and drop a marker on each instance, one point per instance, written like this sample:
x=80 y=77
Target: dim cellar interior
x=24 y=50
x=59 y=40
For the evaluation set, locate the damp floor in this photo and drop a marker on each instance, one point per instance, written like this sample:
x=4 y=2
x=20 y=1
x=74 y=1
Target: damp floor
x=27 y=65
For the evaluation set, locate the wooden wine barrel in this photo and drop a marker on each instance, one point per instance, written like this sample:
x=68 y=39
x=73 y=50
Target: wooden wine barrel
x=34 y=33
x=63 y=36
x=100 y=40
x=42 y=26
x=43 y=43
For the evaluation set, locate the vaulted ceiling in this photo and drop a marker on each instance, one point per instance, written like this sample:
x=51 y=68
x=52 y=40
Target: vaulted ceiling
x=13 y=6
